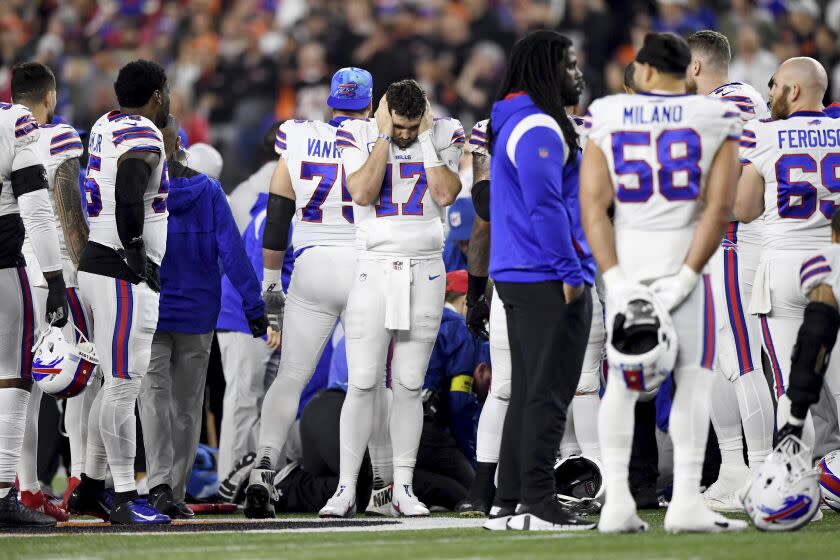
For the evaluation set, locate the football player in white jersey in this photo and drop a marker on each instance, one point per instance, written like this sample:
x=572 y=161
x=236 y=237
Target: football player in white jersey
x=668 y=162
x=789 y=179
x=402 y=171
x=24 y=209
x=819 y=281
x=308 y=185
x=740 y=394
x=126 y=188
x=33 y=86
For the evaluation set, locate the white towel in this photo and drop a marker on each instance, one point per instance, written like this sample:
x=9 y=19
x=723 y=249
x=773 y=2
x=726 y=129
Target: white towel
x=398 y=295
x=760 y=302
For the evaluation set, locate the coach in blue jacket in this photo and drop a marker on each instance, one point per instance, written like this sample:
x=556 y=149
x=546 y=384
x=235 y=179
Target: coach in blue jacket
x=202 y=240
x=543 y=270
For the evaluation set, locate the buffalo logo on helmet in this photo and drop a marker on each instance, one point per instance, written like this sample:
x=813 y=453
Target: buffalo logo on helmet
x=42 y=370
x=793 y=508
x=347 y=89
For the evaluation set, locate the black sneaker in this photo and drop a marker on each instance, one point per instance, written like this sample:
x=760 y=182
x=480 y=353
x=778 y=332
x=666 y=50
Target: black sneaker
x=499 y=515
x=260 y=494
x=473 y=508
x=86 y=502
x=182 y=511
x=549 y=515
x=15 y=514
x=162 y=499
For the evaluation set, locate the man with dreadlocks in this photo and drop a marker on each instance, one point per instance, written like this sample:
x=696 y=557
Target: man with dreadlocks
x=543 y=270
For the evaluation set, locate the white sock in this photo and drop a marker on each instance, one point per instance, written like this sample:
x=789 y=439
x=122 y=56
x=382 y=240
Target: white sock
x=615 y=427
x=585 y=412
x=406 y=428
x=726 y=420
x=13 y=403
x=689 y=429
x=119 y=430
x=355 y=428
x=381 y=452
x=756 y=405
x=28 y=468
x=76 y=416
x=96 y=459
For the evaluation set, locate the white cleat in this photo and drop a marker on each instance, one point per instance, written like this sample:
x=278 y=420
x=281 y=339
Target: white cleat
x=497 y=523
x=380 y=502
x=621 y=520
x=696 y=518
x=342 y=504
x=405 y=503
x=725 y=494
x=727 y=503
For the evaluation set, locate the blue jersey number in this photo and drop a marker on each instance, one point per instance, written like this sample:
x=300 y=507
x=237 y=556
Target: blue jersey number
x=414 y=205
x=93 y=197
x=327 y=174
x=806 y=203
x=159 y=203
x=678 y=152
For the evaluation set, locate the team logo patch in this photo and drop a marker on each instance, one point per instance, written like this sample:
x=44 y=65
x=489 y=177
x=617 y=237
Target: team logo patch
x=347 y=90
x=455 y=219
x=362 y=277
x=543 y=152
x=814 y=122
x=398 y=265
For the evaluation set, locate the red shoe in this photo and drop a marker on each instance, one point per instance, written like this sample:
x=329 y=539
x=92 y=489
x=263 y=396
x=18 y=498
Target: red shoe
x=41 y=504
x=72 y=482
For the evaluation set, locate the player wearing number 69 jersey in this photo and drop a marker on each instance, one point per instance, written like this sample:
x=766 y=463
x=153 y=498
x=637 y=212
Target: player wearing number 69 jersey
x=668 y=162
x=790 y=180
x=126 y=189
x=402 y=170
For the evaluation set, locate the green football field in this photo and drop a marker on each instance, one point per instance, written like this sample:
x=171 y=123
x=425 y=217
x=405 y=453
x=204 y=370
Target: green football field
x=818 y=540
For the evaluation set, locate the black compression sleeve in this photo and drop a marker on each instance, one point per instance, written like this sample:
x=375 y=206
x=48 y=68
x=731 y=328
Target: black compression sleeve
x=817 y=336
x=28 y=179
x=132 y=178
x=481 y=199
x=278 y=218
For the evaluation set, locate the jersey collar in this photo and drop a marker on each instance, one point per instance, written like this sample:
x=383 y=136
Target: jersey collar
x=808 y=114
x=336 y=122
x=658 y=93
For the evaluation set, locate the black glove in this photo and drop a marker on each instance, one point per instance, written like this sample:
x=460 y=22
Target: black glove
x=135 y=258
x=152 y=276
x=789 y=430
x=258 y=326
x=478 y=308
x=57 y=310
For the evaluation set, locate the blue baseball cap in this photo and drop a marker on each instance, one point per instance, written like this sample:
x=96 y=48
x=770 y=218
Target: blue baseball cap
x=461 y=217
x=351 y=89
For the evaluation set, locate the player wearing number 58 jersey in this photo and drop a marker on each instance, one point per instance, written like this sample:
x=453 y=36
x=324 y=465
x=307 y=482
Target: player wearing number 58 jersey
x=126 y=188
x=402 y=170
x=668 y=163
x=790 y=180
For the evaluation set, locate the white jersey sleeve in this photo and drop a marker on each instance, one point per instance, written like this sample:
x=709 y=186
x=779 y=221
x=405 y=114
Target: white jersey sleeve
x=324 y=209
x=113 y=135
x=744 y=98
x=798 y=159
x=659 y=149
x=478 y=139
x=449 y=141
x=821 y=268
x=19 y=134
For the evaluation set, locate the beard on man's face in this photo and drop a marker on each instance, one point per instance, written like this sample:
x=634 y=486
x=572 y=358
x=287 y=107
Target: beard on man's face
x=779 y=104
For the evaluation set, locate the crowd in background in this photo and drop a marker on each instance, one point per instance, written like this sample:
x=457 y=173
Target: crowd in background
x=236 y=66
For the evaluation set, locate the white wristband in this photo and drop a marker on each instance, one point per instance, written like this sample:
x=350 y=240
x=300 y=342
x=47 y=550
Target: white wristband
x=271 y=279
x=614 y=277
x=430 y=155
x=687 y=277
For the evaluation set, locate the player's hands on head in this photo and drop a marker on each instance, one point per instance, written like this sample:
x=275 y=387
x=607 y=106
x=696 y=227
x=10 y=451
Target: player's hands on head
x=427 y=121
x=384 y=121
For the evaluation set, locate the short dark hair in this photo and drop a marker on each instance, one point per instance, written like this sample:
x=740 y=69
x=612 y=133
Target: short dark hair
x=667 y=52
x=137 y=81
x=714 y=47
x=407 y=99
x=628 y=76
x=31 y=81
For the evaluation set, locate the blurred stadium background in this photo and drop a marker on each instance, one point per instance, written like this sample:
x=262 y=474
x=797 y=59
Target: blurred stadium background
x=235 y=66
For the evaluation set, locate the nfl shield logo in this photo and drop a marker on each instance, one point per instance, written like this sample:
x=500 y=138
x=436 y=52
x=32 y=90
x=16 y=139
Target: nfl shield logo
x=398 y=265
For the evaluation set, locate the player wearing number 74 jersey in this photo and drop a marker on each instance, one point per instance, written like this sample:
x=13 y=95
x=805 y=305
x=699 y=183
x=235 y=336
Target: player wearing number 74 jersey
x=790 y=177
x=668 y=162
x=402 y=170
x=126 y=188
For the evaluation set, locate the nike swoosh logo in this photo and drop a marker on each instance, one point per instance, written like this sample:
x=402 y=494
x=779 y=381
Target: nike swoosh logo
x=433 y=277
x=146 y=517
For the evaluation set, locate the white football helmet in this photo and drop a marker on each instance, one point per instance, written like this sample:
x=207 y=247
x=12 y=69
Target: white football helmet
x=579 y=478
x=784 y=492
x=61 y=368
x=641 y=341
x=830 y=480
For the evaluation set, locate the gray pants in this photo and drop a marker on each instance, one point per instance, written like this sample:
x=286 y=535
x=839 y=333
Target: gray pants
x=171 y=401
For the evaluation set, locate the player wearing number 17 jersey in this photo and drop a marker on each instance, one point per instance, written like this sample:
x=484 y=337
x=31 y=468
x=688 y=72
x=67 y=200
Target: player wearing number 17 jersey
x=402 y=170
x=790 y=180
x=126 y=189
x=668 y=163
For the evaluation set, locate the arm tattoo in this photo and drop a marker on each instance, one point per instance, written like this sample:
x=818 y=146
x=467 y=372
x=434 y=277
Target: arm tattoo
x=481 y=167
x=478 y=255
x=68 y=206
